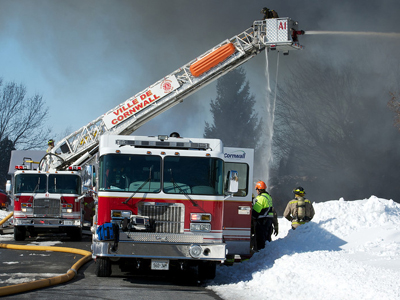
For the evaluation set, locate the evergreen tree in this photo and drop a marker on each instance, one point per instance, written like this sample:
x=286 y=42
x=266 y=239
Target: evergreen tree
x=234 y=120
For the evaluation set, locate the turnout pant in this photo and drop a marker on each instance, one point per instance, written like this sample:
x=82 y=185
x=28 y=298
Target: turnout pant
x=263 y=231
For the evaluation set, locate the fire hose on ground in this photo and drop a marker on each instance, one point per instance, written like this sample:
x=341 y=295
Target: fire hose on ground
x=6 y=218
x=27 y=286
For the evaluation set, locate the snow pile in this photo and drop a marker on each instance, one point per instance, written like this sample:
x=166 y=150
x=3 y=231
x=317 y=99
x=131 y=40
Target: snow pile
x=349 y=251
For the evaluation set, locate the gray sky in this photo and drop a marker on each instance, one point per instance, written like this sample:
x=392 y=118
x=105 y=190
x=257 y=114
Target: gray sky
x=87 y=56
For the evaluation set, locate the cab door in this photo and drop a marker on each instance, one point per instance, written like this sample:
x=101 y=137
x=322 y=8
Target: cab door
x=237 y=207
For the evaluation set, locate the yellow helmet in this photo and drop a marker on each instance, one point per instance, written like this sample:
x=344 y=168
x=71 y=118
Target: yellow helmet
x=299 y=191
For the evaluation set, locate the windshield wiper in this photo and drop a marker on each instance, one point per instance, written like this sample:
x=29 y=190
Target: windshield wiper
x=140 y=187
x=36 y=187
x=181 y=190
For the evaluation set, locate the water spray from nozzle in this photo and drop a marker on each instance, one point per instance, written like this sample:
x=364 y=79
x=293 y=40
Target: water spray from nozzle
x=387 y=34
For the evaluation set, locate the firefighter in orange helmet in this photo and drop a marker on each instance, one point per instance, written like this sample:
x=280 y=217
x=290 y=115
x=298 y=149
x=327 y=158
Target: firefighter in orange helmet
x=265 y=219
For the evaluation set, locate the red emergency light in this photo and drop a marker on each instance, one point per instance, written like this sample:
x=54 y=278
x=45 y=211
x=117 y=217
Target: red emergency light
x=21 y=167
x=74 y=168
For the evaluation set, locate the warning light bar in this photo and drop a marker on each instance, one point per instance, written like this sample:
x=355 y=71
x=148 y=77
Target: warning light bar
x=21 y=167
x=162 y=144
x=74 y=168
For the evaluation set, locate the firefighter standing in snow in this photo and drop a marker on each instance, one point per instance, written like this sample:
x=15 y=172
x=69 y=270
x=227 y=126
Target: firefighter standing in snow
x=299 y=210
x=264 y=217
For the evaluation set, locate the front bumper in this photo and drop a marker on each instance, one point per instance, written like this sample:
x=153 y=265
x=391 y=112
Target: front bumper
x=49 y=223
x=149 y=248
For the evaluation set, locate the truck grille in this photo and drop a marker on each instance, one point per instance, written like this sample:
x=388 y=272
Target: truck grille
x=165 y=217
x=46 y=207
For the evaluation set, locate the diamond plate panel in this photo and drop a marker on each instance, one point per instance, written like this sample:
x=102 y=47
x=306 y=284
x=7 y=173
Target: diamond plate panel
x=165 y=237
x=277 y=31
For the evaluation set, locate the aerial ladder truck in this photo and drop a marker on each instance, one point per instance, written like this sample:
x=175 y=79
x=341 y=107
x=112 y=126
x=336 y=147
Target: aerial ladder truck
x=170 y=202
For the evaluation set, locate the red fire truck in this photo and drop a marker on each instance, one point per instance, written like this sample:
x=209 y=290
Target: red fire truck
x=170 y=202
x=45 y=201
x=177 y=202
x=4 y=201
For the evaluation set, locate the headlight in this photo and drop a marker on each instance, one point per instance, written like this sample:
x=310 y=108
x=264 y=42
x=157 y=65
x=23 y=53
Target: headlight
x=204 y=227
x=120 y=214
x=26 y=207
x=66 y=208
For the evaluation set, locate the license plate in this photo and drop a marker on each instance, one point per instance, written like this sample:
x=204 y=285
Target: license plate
x=160 y=264
x=68 y=222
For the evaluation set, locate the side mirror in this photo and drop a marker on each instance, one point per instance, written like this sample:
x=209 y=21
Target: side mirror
x=8 y=187
x=87 y=176
x=233 y=182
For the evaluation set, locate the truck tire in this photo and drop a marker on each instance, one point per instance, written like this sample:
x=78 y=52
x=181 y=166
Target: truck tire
x=207 y=270
x=19 y=233
x=103 y=267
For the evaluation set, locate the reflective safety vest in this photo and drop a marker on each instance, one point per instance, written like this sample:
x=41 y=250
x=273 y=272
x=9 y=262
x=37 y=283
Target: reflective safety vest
x=263 y=206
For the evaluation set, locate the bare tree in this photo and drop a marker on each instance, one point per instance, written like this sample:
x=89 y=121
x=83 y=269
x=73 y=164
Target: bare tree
x=22 y=118
x=317 y=111
x=333 y=134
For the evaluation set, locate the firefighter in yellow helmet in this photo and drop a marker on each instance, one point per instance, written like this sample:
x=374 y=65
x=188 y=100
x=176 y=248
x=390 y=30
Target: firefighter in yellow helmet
x=50 y=143
x=299 y=210
x=264 y=217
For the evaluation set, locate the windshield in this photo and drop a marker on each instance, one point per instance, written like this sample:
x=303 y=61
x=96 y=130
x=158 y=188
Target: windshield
x=142 y=173
x=133 y=173
x=29 y=183
x=193 y=175
x=66 y=184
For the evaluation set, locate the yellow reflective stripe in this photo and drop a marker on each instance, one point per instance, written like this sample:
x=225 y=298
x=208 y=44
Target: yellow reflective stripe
x=300 y=223
x=295 y=201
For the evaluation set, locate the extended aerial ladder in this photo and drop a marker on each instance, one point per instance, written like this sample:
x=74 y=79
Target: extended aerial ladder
x=80 y=147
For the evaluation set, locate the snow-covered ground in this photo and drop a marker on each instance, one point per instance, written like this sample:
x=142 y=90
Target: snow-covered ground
x=350 y=250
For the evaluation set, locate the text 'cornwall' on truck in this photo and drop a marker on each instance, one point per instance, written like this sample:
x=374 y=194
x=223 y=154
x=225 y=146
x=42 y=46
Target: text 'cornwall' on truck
x=171 y=202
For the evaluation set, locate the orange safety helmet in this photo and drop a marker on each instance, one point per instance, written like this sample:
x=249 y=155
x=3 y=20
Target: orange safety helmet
x=261 y=185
